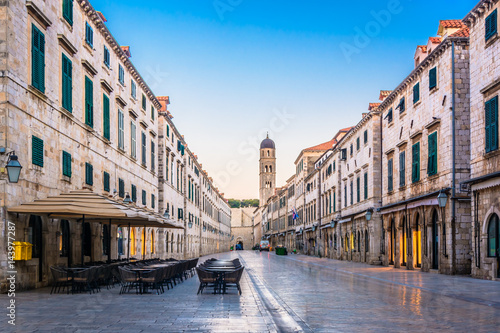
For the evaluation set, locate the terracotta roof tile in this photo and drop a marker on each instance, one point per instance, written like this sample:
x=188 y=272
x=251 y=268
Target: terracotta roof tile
x=323 y=146
x=464 y=32
x=436 y=40
x=452 y=23
x=384 y=94
x=372 y=106
x=126 y=50
x=423 y=48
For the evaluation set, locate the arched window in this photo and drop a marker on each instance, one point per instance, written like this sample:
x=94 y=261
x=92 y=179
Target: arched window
x=87 y=239
x=335 y=241
x=493 y=236
x=172 y=243
x=152 y=241
x=143 y=241
x=268 y=153
x=119 y=237
x=105 y=239
x=64 y=239
x=359 y=242
x=166 y=243
x=270 y=168
x=265 y=168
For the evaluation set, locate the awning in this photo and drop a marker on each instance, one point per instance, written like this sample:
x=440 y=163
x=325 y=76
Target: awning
x=325 y=226
x=360 y=216
x=344 y=220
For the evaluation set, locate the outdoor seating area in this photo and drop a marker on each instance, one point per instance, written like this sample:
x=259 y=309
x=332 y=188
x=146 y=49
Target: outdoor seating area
x=139 y=276
x=220 y=275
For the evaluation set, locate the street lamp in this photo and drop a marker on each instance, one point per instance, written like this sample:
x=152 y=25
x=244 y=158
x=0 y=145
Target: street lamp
x=442 y=199
x=13 y=168
x=368 y=215
x=332 y=224
x=166 y=214
x=127 y=199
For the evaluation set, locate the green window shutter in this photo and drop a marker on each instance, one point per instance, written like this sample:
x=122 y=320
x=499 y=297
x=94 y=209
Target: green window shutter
x=121 y=74
x=365 y=135
x=389 y=175
x=107 y=60
x=366 y=186
x=134 y=193
x=89 y=102
x=144 y=197
x=401 y=106
x=358 y=189
x=106 y=181
x=121 y=130
x=152 y=113
x=491 y=124
x=432 y=154
x=153 y=200
x=67 y=83
x=357 y=144
x=168 y=131
x=37 y=151
x=89 y=174
x=68 y=11
x=432 y=78
x=153 y=157
x=121 y=188
x=66 y=163
x=143 y=102
x=416 y=92
x=89 y=35
x=143 y=135
x=402 y=168
x=105 y=114
x=334 y=202
x=415 y=171
x=37 y=59
x=491 y=25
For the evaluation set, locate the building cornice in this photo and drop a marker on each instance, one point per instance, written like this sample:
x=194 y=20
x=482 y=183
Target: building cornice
x=478 y=11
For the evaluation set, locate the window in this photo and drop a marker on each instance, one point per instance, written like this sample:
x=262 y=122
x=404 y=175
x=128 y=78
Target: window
x=64 y=239
x=89 y=102
x=168 y=131
x=402 y=168
x=366 y=185
x=133 y=89
x=153 y=200
x=493 y=236
x=105 y=239
x=89 y=35
x=143 y=102
x=365 y=137
x=144 y=197
x=352 y=192
x=89 y=174
x=121 y=133
x=37 y=59
x=432 y=78
x=491 y=25
x=415 y=164
x=106 y=181
x=66 y=164
x=416 y=93
x=432 y=154
x=357 y=144
x=491 y=121
x=121 y=75
x=37 y=151
x=389 y=116
x=133 y=142
x=358 y=189
x=389 y=175
x=153 y=113
x=67 y=83
x=153 y=157
x=121 y=188
x=68 y=11
x=143 y=137
x=345 y=195
x=105 y=116
x=351 y=151
x=87 y=239
x=106 y=57
x=401 y=106
x=134 y=193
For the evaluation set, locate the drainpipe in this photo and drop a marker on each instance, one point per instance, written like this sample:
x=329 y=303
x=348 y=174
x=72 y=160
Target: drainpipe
x=453 y=189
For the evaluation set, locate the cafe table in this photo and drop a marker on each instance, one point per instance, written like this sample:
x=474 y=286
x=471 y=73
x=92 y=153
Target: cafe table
x=220 y=272
x=138 y=272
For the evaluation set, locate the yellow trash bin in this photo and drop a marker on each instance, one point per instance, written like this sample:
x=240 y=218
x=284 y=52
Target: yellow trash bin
x=28 y=251
x=19 y=251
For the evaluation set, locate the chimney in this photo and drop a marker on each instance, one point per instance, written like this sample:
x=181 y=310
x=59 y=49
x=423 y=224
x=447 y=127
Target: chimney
x=126 y=50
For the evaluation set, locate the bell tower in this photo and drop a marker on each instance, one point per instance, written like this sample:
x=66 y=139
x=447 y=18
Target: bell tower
x=267 y=170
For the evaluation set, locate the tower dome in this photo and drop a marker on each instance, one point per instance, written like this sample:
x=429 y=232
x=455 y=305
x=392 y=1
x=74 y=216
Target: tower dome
x=267 y=143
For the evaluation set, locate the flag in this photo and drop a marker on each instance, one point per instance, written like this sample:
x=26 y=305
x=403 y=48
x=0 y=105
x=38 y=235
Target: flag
x=294 y=214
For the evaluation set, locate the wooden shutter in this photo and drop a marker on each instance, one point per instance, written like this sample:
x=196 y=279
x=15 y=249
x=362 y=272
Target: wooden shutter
x=432 y=158
x=134 y=193
x=389 y=175
x=402 y=168
x=89 y=174
x=358 y=189
x=89 y=102
x=37 y=151
x=491 y=25
x=67 y=83
x=494 y=123
x=432 y=78
x=105 y=114
x=68 y=11
x=106 y=181
x=37 y=59
x=143 y=148
x=143 y=197
x=66 y=160
x=415 y=172
x=416 y=93
x=366 y=185
x=121 y=188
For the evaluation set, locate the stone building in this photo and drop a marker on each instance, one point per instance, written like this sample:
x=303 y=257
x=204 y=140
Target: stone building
x=78 y=115
x=426 y=154
x=267 y=167
x=243 y=228
x=484 y=184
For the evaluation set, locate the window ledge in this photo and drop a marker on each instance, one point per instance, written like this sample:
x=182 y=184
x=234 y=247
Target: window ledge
x=390 y=124
x=433 y=90
x=417 y=103
x=37 y=92
x=492 y=153
x=434 y=176
x=66 y=179
x=106 y=141
x=66 y=23
x=491 y=40
x=89 y=128
x=88 y=47
x=67 y=113
x=121 y=150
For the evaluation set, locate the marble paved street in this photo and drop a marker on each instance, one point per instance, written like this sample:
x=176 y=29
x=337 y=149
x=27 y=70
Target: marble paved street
x=280 y=293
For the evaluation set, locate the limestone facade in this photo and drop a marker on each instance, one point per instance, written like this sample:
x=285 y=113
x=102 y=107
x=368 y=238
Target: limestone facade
x=243 y=228
x=79 y=115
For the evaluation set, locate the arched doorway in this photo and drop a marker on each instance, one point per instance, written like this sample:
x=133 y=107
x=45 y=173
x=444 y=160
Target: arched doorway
x=132 y=242
x=392 y=242
x=404 y=237
x=494 y=240
x=35 y=238
x=417 y=239
x=65 y=241
x=87 y=240
x=435 y=241
x=119 y=236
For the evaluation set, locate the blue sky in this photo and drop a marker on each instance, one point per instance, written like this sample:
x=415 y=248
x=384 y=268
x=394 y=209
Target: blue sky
x=235 y=69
